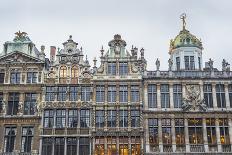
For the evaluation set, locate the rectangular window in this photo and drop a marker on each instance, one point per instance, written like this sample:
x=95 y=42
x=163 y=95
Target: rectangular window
x=111 y=94
x=71 y=146
x=179 y=130
x=84 y=146
x=9 y=139
x=73 y=93
x=152 y=96
x=166 y=131
x=112 y=68
x=177 y=95
x=220 y=94
x=13 y=103
x=62 y=94
x=211 y=131
x=199 y=62
x=100 y=94
x=85 y=93
x=84 y=118
x=15 y=77
x=111 y=118
x=27 y=139
x=195 y=131
x=164 y=90
x=178 y=63
x=2 y=76
x=123 y=94
x=30 y=103
x=99 y=118
x=153 y=132
x=72 y=118
x=230 y=94
x=60 y=118
x=123 y=118
x=123 y=68
x=31 y=77
x=135 y=94
x=135 y=118
x=208 y=97
x=1 y=99
x=47 y=143
x=48 y=118
x=59 y=146
x=50 y=93
x=189 y=62
x=224 y=131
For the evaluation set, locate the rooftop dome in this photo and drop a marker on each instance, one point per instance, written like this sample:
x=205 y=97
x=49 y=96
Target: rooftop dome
x=185 y=39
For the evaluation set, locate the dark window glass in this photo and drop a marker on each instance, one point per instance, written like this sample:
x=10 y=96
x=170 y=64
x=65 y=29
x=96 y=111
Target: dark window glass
x=85 y=93
x=60 y=118
x=111 y=118
x=208 y=97
x=31 y=77
x=13 y=103
x=72 y=146
x=195 y=131
x=123 y=68
x=135 y=94
x=73 y=93
x=2 y=76
x=100 y=94
x=72 y=118
x=15 y=78
x=59 y=146
x=27 y=139
x=30 y=103
x=1 y=99
x=62 y=94
x=135 y=118
x=84 y=146
x=177 y=95
x=165 y=101
x=179 y=130
x=84 y=118
x=48 y=118
x=189 y=62
x=99 y=118
x=47 y=143
x=50 y=93
x=153 y=132
x=9 y=139
x=152 y=96
x=123 y=118
x=123 y=94
x=211 y=131
x=178 y=63
x=112 y=68
x=220 y=94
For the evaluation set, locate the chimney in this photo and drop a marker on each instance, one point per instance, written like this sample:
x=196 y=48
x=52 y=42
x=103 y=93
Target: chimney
x=52 y=53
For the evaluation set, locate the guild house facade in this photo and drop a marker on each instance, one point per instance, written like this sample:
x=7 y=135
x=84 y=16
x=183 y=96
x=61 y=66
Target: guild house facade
x=63 y=106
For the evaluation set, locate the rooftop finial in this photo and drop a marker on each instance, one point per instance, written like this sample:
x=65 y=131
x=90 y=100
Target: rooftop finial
x=183 y=17
x=70 y=37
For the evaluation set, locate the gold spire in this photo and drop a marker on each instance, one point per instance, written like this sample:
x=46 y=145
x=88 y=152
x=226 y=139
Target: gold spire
x=183 y=17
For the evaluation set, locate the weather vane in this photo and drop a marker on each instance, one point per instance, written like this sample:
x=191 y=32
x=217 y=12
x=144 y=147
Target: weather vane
x=183 y=17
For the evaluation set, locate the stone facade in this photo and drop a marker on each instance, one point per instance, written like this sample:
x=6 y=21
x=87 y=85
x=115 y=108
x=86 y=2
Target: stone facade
x=63 y=106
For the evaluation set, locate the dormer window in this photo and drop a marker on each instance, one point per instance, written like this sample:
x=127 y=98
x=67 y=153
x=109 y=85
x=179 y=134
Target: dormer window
x=69 y=51
x=112 y=68
x=123 y=68
x=189 y=62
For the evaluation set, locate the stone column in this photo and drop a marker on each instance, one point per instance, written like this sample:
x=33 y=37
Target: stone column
x=17 y=147
x=145 y=97
x=227 y=96
x=202 y=89
x=2 y=137
x=214 y=96
x=218 y=135
x=106 y=92
x=186 y=135
x=158 y=97
x=129 y=92
x=147 y=149
x=230 y=130
x=65 y=145
x=173 y=134
x=160 y=135
x=205 y=140
x=171 y=96
x=105 y=145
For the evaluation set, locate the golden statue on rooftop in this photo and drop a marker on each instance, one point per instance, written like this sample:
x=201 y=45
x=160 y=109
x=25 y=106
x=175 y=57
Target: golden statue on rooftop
x=20 y=34
x=183 y=17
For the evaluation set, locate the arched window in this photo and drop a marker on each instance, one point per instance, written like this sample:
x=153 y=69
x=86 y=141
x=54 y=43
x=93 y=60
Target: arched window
x=63 y=71
x=74 y=71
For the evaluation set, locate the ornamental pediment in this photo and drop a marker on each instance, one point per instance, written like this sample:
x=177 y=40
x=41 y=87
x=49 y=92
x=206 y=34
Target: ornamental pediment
x=18 y=57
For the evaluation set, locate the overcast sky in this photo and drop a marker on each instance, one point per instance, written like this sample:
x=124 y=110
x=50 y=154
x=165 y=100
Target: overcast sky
x=143 y=23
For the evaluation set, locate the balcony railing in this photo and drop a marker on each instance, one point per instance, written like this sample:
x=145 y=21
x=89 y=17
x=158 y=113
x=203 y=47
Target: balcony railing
x=197 y=148
x=226 y=148
x=188 y=74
